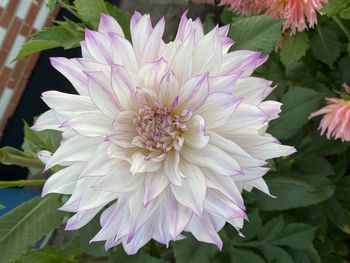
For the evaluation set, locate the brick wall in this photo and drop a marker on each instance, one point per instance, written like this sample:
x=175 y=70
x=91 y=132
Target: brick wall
x=18 y=20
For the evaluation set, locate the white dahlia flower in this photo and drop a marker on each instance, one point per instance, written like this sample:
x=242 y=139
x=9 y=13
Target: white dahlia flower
x=163 y=137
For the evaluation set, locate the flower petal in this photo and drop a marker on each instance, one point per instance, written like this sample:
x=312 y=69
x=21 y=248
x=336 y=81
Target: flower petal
x=194 y=93
x=192 y=192
x=213 y=158
x=218 y=102
x=109 y=24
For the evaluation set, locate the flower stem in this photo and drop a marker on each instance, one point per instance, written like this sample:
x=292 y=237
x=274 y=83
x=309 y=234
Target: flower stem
x=10 y=156
x=6 y=184
x=341 y=26
x=68 y=8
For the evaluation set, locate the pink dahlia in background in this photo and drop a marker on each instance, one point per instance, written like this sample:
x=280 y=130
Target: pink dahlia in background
x=161 y=137
x=336 y=119
x=299 y=14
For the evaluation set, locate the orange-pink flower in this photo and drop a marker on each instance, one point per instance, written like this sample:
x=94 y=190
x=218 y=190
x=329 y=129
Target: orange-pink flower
x=299 y=14
x=336 y=119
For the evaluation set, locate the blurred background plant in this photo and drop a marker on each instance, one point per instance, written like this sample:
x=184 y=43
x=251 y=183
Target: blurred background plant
x=308 y=222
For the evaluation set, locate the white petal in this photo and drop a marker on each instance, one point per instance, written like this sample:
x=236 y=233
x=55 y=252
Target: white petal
x=252 y=89
x=79 y=220
x=99 y=46
x=226 y=185
x=140 y=29
x=155 y=183
x=207 y=53
x=195 y=135
x=60 y=101
x=109 y=24
x=72 y=71
x=203 y=229
x=245 y=115
x=218 y=204
x=241 y=61
x=101 y=93
x=194 y=93
x=192 y=192
x=225 y=83
x=63 y=181
x=73 y=150
x=271 y=109
x=91 y=124
x=151 y=74
x=183 y=71
x=171 y=168
x=47 y=120
x=123 y=52
x=123 y=88
x=168 y=89
x=141 y=164
x=218 y=109
x=151 y=49
x=124 y=129
x=213 y=158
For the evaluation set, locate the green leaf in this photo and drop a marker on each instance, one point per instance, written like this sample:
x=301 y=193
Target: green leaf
x=26 y=224
x=140 y=257
x=334 y=7
x=35 y=141
x=295 y=235
x=338 y=214
x=308 y=255
x=2 y=206
x=276 y=255
x=345 y=14
x=307 y=164
x=90 y=11
x=51 y=4
x=47 y=255
x=66 y=34
x=245 y=256
x=294 y=48
x=251 y=228
x=256 y=33
x=191 y=250
x=298 y=103
x=320 y=145
x=294 y=190
x=87 y=233
x=325 y=45
x=13 y=156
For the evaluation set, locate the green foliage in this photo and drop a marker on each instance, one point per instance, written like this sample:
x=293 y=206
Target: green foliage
x=303 y=190
x=51 y=4
x=90 y=11
x=140 y=257
x=68 y=34
x=47 y=255
x=26 y=224
x=294 y=48
x=298 y=103
x=86 y=234
x=256 y=33
x=190 y=250
x=325 y=45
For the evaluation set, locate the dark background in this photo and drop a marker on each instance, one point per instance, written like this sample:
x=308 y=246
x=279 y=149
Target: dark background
x=44 y=77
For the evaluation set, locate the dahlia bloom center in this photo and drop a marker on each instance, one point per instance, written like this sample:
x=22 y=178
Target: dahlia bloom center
x=160 y=128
